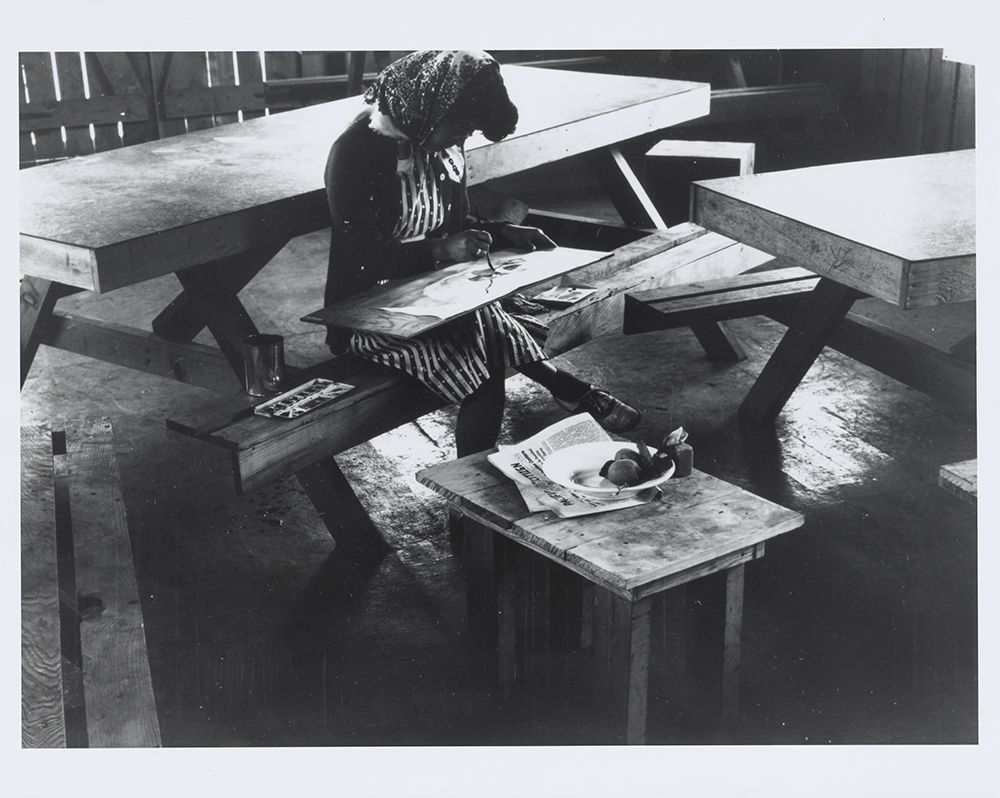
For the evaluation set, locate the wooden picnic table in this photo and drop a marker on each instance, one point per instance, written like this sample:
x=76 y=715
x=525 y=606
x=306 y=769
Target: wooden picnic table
x=901 y=230
x=215 y=206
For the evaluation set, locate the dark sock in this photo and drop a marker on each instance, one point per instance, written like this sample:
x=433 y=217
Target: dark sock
x=562 y=384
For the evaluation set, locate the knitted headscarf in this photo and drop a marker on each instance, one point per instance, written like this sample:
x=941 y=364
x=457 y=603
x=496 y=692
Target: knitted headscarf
x=420 y=89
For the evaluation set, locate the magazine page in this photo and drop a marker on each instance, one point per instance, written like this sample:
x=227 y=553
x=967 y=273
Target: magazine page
x=522 y=463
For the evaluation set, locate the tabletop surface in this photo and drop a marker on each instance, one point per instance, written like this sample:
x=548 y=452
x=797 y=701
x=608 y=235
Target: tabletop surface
x=917 y=208
x=159 y=186
x=698 y=519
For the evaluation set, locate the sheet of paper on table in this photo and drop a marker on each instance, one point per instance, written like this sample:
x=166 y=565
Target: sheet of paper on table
x=409 y=307
x=522 y=463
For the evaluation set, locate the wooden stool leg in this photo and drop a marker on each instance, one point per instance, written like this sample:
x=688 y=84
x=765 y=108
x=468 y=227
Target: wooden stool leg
x=731 y=647
x=482 y=552
x=713 y=655
x=621 y=658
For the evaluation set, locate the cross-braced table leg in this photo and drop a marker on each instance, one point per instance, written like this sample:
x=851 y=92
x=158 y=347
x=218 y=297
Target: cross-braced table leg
x=210 y=291
x=816 y=318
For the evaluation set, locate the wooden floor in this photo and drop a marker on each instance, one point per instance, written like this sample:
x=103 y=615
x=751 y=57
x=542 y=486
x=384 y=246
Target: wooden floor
x=860 y=628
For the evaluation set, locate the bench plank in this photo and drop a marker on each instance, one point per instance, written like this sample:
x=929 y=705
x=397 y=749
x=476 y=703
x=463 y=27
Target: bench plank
x=715 y=300
x=191 y=363
x=960 y=480
x=118 y=690
x=42 y=720
x=604 y=311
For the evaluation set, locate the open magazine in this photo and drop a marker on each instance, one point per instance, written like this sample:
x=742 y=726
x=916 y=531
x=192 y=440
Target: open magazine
x=522 y=463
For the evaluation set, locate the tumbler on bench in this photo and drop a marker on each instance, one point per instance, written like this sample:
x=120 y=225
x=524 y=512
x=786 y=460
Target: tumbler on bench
x=263 y=364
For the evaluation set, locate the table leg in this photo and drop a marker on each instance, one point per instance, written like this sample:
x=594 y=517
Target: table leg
x=338 y=507
x=624 y=188
x=817 y=317
x=214 y=301
x=621 y=660
x=713 y=646
x=38 y=298
x=180 y=320
x=492 y=636
x=220 y=308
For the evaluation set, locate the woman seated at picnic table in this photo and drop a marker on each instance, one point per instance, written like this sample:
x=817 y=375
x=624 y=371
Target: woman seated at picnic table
x=396 y=186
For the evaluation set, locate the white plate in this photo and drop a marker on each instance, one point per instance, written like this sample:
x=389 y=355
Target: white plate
x=578 y=467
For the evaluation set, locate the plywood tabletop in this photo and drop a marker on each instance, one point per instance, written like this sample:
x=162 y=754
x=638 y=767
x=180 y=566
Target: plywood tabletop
x=697 y=520
x=225 y=188
x=918 y=207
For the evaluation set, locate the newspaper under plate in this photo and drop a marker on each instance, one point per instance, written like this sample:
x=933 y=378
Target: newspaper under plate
x=522 y=463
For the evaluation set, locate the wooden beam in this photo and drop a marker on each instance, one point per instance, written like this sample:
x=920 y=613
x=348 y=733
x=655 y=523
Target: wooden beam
x=623 y=186
x=118 y=690
x=194 y=364
x=43 y=723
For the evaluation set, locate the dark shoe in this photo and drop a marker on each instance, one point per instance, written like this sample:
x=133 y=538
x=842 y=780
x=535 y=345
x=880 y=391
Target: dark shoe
x=611 y=413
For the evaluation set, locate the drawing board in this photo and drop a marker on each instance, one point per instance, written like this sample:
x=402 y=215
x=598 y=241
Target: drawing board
x=406 y=308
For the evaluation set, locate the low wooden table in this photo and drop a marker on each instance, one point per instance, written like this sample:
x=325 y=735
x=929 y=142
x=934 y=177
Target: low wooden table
x=700 y=526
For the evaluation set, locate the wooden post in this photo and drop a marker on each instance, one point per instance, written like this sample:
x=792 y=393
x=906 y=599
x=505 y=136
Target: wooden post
x=714 y=650
x=621 y=657
x=481 y=565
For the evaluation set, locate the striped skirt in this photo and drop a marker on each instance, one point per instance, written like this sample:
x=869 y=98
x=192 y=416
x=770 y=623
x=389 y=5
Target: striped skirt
x=453 y=360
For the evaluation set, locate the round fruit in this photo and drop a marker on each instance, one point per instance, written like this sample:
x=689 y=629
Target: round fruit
x=627 y=454
x=624 y=472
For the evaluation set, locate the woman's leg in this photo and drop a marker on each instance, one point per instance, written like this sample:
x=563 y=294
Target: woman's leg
x=479 y=417
x=578 y=396
x=560 y=383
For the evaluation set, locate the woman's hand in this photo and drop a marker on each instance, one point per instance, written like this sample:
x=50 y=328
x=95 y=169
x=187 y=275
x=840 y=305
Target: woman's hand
x=467 y=245
x=527 y=238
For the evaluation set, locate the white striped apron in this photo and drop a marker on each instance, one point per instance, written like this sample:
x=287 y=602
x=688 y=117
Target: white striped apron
x=453 y=360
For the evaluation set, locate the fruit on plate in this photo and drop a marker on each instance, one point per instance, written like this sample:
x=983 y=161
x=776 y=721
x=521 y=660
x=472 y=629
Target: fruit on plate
x=635 y=466
x=623 y=472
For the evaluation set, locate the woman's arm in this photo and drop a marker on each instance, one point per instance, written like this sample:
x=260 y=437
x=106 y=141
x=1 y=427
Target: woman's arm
x=361 y=250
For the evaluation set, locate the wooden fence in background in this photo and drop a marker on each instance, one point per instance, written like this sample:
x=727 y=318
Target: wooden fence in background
x=71 y=103
x=74 y=103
